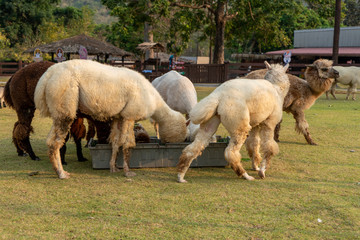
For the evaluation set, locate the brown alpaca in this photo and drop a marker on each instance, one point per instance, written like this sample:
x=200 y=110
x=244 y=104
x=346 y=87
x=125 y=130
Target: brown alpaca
x=303 y=94
x=141 y=136
x=19 y=95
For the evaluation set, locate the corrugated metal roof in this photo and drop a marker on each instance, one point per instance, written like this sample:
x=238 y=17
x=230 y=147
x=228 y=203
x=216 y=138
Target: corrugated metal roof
x=344 y=51
x=349 y=37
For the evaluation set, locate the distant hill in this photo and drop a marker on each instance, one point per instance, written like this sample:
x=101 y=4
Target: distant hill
x=101 y=12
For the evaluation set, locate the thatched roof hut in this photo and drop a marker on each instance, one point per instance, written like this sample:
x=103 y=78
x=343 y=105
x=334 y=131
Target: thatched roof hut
x=72 y=45
x=145 y=46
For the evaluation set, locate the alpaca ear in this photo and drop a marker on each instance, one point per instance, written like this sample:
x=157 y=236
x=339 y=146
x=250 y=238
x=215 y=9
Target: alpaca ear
x=267 y=65
x=311 y=66
x=286 y=67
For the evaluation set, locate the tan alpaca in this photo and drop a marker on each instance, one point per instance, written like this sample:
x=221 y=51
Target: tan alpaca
x=104 y=93
x=303 y=94
x=243 y=107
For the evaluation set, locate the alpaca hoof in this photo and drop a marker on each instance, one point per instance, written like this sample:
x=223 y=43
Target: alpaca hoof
x=255 y=168
x=182 y=181
x=82 y=160
x=64 y=175
x=313 y=143
x=181 y=178
x=248 y=177
x=130 y=174
x=114 y=170
x=261 y=174
x=22 y=154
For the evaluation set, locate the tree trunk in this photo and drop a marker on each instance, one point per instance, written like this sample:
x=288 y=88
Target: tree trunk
x=148 y=37
x=336 y=31
x=220 y=23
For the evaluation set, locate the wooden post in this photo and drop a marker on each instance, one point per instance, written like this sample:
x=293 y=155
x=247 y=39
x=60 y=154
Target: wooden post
x=335 y=55
x=226 y=72
x=20 y=64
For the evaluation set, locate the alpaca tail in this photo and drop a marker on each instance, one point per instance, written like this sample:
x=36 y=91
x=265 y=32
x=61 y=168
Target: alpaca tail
x=7 y=95
x=204 y=110
x=40 y=96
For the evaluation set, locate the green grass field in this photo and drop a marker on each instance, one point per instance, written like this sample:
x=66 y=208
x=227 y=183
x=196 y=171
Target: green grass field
x=310 y=192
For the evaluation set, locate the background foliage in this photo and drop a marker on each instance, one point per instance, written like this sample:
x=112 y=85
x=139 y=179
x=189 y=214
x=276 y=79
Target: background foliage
x=255 y=26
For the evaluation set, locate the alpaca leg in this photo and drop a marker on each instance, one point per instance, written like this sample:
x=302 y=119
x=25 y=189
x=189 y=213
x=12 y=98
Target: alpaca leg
x=192 y=151
x=128 y=142
x=233 y=156
x=353 y=91
x=302 y=126
x=332 y=90
x=252 y=144
x=55 y=141
x=349 y=91
x=22 y=130
x=277 y=131
x=114 y=140
x=90 y=132
x=268 y=146
x=122 y=134
x=79 y=153
x=19 y=151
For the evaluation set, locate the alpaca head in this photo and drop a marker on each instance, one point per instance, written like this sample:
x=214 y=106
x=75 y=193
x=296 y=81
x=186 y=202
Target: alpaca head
x=324 y=69
x=173 y=128
x=276 y=74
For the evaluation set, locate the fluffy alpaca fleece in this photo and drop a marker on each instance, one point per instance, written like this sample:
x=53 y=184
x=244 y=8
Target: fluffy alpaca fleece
x=303 y=93
x=104 y=93
x=19 y=95
x=179 y=94
x=2 y=102
x=347 y=76
x=243 y=107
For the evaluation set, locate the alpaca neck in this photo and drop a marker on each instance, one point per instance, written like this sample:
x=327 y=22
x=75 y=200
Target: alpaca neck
x=317 y=84
x=162 y=114
x=280 y=83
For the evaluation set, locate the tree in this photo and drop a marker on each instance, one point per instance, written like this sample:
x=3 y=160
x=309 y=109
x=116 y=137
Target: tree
x=336 y=31
x=222 y=11
x=352 y=12
x=21 y=19
x=133 y=16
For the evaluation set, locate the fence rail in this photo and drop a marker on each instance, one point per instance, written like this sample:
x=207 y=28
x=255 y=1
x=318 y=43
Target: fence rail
x=197 y=73
x=9 y=68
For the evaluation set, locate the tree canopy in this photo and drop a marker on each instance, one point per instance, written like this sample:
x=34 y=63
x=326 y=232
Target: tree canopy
x=245 y=26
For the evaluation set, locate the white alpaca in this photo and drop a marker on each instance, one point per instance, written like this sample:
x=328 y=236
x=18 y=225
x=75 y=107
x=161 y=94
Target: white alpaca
x=2 y=102
x=244 y=107
x=179 y=94
x=347 y=76
x=104 y=93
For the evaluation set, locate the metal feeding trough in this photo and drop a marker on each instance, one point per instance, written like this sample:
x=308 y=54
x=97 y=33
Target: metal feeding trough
x=157 y=155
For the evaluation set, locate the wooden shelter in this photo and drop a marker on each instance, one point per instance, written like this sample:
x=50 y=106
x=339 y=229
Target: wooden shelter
x=151 y=46
x=72 y=45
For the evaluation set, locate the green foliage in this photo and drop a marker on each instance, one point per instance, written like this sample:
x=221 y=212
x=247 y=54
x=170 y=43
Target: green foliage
x=132 y=15
x=101 y=13
x=21 y=19
x=270 y=25
x=182 y=24
x=352 y=12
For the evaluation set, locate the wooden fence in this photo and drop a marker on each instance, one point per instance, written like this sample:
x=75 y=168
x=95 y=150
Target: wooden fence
x=9 y=68
x=197 y=73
